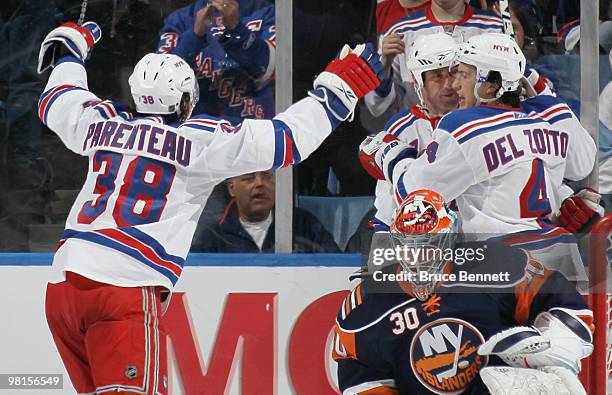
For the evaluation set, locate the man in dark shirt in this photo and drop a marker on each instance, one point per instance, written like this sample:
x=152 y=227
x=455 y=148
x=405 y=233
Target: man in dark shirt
x=248 y=222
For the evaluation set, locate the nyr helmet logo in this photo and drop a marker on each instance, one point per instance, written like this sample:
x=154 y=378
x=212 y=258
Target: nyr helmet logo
x=501 y=48
x=444 y=355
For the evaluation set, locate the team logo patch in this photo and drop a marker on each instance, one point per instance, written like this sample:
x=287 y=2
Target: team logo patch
x=444 y=355
x=131 y=372
x=227 y=128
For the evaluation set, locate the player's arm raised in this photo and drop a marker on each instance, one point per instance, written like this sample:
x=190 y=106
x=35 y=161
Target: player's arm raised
x=254 y=50
x=66 y=98
x=382 y=97
x=184 y=32
x=294 y=134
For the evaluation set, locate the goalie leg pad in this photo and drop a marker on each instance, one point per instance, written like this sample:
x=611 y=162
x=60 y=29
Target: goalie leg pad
x=503 y=380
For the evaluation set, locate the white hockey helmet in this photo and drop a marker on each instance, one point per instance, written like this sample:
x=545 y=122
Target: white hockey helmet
x=430 y=52
x=494 y=52
x=158 y=83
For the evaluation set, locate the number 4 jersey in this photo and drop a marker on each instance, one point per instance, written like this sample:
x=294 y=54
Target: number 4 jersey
x=133 y=221
x=504 y=166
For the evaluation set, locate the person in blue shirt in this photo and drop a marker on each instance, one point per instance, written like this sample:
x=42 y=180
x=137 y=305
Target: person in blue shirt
x=248 y=222
x=230 y=44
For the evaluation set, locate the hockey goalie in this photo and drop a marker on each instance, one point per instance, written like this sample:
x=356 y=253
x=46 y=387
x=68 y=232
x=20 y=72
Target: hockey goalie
x=419 y=335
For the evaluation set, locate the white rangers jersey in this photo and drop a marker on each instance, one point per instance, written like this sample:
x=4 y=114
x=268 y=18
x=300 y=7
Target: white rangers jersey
x=504 y=167
x=419 y=23
x=133 y=221
x=414 y=128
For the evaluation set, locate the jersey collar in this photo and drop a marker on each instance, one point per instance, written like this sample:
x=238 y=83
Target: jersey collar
x=422 y=112
x=467 y=14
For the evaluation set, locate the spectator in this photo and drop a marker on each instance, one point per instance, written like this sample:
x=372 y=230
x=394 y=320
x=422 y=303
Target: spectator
x=230 y=44
x=248 y=223
x=569 y=37
x=389 y=11
x=452 y=16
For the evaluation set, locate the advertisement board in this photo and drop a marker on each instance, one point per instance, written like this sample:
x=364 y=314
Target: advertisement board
x=246 y=324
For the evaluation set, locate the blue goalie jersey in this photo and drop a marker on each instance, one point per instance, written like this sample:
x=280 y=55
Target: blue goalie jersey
x=389 y=342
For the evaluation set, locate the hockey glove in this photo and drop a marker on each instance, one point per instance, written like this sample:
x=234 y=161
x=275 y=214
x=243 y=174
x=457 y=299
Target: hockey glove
x=533 y=84
x=577 y=210
x=348 y=78
x=379 y=154
x=558 y=338
x=78 y=40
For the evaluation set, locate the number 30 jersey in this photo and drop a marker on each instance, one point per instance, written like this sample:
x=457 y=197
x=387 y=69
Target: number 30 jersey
x=388 y=342
x=504 y=166
x=133 y=221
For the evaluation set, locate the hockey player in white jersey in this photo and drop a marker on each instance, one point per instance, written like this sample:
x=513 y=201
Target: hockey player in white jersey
x=501 y=159
x=455 y=17
x=429 y=61
x=150 y=174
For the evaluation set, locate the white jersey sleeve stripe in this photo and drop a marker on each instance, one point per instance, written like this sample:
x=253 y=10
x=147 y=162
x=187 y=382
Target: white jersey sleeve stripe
x=207 y=125
x=285 y=150
x=399 y=123
x=47 y=100
x=109 y=107
x=483 y=123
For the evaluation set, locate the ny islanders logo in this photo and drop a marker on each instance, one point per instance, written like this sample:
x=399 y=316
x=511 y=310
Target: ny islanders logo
x=444 y=355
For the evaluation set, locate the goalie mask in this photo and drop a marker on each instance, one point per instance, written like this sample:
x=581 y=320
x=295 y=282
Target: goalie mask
x=493 y=52
x=159 y=82
x=423 y=224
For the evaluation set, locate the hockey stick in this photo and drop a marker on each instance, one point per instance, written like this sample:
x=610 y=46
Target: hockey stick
x=504 y=10
x=453 y=370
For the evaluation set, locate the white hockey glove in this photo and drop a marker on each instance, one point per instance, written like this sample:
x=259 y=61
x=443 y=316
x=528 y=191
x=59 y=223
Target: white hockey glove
x=533 y=84
x=77 y=39
x=379 y=154
x=557 y=338
x=504 y=380
x=371 y=152
x=577 y=210
x=348 y=78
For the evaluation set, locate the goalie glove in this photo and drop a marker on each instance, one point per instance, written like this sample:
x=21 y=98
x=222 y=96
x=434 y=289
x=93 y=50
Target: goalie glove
x=347 y=79
x=78 y=40
x=577 y=210
x=504 y=380
x=558 y=338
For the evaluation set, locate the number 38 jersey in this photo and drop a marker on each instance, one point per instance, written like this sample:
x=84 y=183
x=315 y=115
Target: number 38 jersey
x=505 y=167
x=133 y=221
